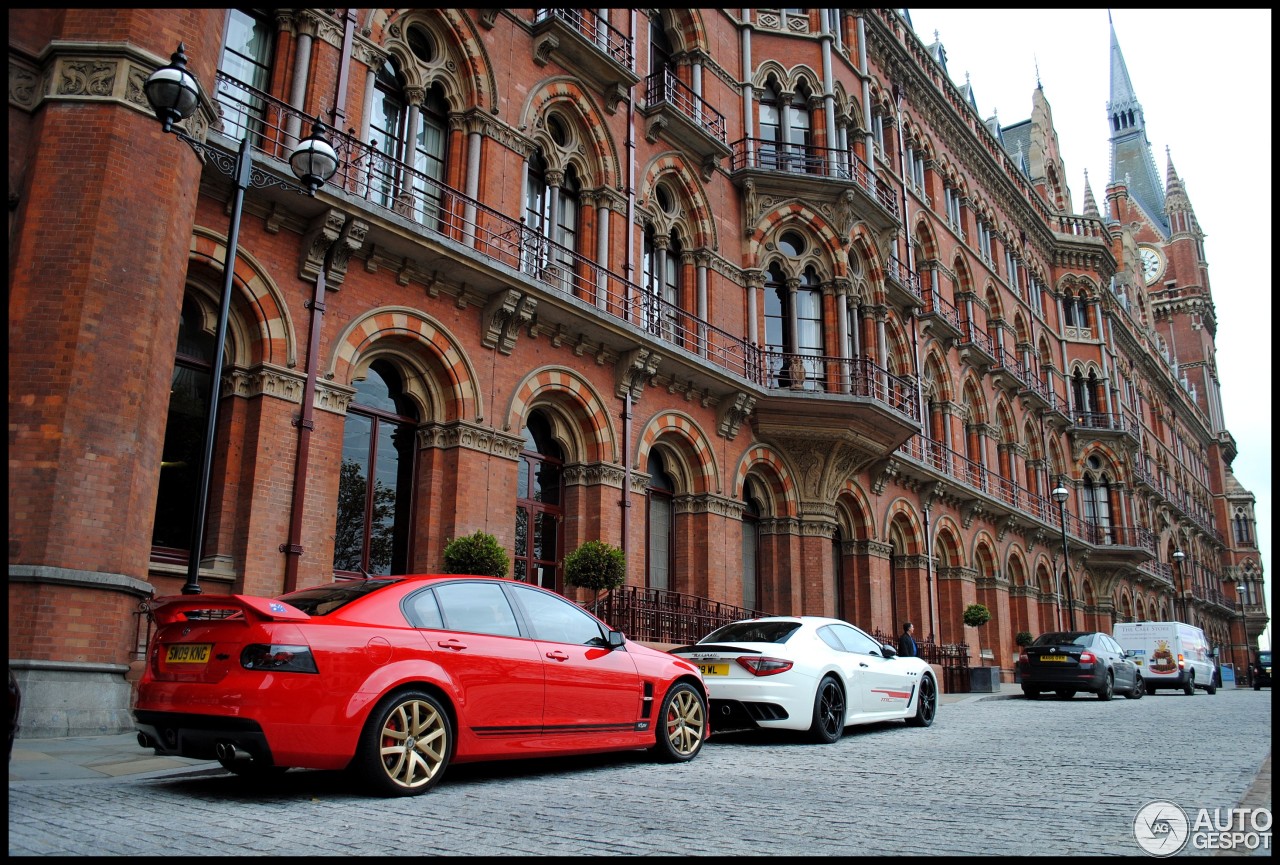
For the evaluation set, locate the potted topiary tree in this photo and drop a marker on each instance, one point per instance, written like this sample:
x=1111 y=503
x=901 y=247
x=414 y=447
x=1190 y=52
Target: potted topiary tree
x=982 y=679
x=1022 y=639
x=598 y=566
x=478 y=553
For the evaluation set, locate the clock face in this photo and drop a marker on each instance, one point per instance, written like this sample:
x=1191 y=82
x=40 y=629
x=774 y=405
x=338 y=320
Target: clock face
x=1151 y=264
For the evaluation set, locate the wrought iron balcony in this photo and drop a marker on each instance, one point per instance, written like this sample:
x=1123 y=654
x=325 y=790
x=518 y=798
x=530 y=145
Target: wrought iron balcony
x=676 y=112
x=939 y=315
x=975 y=346
x=902 y=285
x=583 y=40
x=817 y=173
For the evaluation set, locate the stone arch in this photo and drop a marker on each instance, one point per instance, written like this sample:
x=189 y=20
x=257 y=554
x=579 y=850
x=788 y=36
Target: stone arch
x=694 y=212
x=853 y=512
x=259 y=326
x=902 y=524
x=795 y=214
x=688 y=444
x=592 y=151
x=464 y=71
x=590 y=428
x=776 y=479
x=447 y=371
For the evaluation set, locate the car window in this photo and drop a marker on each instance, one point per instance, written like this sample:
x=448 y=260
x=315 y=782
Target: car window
x=558 y=621
x=752 y=632
x=322 y=600
x=422 y=611
x=479 y=608
x=856 y=641
x=1063 y=638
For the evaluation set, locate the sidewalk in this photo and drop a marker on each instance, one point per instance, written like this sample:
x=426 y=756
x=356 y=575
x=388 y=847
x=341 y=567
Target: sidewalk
x=87 y=757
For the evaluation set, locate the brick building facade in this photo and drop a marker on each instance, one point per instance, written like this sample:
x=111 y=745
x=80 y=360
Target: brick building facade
x=764 y=302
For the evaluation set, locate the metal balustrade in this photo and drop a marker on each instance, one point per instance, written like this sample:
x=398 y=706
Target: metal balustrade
x=840 y=375
x=769 y=155
x=664 y=86
x=596 y=29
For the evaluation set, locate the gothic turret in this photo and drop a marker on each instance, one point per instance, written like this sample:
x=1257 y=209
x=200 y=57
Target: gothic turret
x=1131 y=157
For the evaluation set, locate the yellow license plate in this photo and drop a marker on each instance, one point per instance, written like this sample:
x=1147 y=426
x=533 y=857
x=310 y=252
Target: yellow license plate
x=188 y=653
x=1053 y=657
x=714 y=669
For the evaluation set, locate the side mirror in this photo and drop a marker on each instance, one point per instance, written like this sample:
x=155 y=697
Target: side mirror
x=617 y=640
x=888 y=651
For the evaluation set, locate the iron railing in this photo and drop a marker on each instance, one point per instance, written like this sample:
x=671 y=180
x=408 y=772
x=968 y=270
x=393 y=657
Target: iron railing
x=595 y=29
x=768 y=155
x=664 y=86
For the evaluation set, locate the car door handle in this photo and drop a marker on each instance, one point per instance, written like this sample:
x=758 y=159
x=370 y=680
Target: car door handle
x=557 y=655
x=861 y=664
x=452 y=644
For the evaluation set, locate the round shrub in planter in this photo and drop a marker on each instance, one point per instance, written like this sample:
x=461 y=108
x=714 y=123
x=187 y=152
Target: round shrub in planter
x=478 y=553
x=597 y=566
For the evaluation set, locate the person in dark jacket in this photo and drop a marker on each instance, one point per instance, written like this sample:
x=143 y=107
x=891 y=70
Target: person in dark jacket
x=907 y=643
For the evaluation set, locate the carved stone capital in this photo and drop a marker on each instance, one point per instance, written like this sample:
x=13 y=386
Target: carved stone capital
x=504 y=315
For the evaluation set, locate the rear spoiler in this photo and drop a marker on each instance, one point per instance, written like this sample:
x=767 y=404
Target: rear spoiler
x=181 y=608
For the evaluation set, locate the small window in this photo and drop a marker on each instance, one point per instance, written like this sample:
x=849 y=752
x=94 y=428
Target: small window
x=420 y=43
x=792 y=244
x=556 y=620
x=478 y=608
x=558 y=131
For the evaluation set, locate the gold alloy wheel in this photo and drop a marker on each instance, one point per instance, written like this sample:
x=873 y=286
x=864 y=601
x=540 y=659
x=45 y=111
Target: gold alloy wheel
x=686 y=722
x=414 y=743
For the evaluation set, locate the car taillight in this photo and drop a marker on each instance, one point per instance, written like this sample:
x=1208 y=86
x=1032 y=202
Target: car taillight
x=1023 y=659
x=278 y=658
x=1181 y=662
x=1088 y=657
x=760 y=666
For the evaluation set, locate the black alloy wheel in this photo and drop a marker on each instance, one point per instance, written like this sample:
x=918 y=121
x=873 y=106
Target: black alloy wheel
x=1108 y=689
x=926 y=703
x=828 y=713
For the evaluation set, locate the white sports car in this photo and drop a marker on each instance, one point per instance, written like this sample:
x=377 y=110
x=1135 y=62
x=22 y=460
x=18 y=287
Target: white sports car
x=808 y=673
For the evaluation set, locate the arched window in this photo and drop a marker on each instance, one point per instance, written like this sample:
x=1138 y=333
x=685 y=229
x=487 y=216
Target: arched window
x=661 y=266
x=770 y=119
x=246 y=57
x=386 y=127
x=375 y=486
x=417 y=135
x=793 y=317
x=1096 y=498
x=551 y=207
x=751 y=514
x=184 y=434
x=660 y=525
x=1243 y=527
x=539 y=508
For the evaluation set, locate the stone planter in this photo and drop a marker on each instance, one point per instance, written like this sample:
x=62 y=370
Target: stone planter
x=984 y=680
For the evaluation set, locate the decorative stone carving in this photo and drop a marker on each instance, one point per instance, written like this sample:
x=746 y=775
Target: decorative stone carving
x=732 y=413
x=633 y=369
x=504 y=315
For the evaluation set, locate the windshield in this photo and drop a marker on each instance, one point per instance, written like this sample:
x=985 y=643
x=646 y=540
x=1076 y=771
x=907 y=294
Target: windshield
x=1063 y=638
x=752 y=632
x=322 y=600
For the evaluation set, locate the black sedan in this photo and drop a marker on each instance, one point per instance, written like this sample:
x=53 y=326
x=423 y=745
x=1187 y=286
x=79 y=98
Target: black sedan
x=1069 y=661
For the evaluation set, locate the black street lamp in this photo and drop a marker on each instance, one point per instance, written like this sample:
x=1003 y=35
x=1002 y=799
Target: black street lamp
x=174 y=94
x=1060 y=496
x=1181 y=607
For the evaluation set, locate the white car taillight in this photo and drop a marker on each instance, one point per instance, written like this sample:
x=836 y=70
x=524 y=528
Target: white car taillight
x=761 y=666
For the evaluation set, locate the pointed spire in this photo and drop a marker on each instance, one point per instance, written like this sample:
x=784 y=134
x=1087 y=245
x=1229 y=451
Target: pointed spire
x=1090 y=205
x=1182 y=217
x=1131 y=156
x=1122 y=95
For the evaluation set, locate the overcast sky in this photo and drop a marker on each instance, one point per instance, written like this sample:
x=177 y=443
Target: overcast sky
x=1203 y=78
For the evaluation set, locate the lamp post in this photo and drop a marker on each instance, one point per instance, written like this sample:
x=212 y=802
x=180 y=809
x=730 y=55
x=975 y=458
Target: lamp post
x=1181 y=608
x=174 y=94
x=1060 y=496
x=1246 y=668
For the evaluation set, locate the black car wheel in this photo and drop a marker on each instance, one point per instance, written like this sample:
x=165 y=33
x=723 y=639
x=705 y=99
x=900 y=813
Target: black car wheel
x=927 y=705
x=1065 y=693
x=1190 y=687
x=1108 y=689
x=1137 y=691
x=405 y=746
x=828 y=713
x=682 y=725
x=1031 y=693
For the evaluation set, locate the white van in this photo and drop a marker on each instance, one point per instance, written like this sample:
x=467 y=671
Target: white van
x=1169 y=655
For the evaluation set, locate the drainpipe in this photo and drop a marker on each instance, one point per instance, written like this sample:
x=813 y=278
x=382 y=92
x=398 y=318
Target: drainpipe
x=344 y=72
x=306 y=423
x=629 y=269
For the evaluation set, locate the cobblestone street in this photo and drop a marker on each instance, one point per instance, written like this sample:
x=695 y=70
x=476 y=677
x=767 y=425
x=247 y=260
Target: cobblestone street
x=1049 y=777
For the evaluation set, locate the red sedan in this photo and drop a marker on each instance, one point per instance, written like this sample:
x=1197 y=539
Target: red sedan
x=394 y=678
